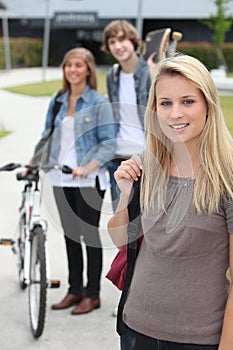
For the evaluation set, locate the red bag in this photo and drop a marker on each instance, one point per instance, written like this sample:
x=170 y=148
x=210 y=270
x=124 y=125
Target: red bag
x=118 y=268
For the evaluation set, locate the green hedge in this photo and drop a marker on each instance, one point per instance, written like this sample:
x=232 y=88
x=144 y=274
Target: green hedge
x=27 y=52
x=24 y=52
x=207 y=54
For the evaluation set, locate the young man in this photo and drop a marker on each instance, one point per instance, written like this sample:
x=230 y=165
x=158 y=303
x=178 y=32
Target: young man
x=128 y=84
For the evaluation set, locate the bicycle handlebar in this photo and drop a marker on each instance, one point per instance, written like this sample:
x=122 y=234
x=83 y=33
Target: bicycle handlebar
x=34 y=169
x=10 y=167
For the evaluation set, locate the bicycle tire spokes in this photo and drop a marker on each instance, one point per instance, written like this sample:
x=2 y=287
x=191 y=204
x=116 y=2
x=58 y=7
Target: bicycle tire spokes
x=37 y=285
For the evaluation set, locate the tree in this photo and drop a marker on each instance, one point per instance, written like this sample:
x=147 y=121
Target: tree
x=220 y=23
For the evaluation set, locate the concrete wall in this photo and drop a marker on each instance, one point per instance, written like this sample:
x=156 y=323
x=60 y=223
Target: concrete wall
x=171 y=9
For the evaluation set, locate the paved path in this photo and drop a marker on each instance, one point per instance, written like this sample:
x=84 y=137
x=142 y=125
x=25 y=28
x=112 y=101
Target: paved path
x=28 y=75
x=24 y=116
x=224 y=84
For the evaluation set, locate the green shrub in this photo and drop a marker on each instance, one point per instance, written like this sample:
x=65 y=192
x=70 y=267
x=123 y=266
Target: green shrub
x=206 y=53
x=25 y=52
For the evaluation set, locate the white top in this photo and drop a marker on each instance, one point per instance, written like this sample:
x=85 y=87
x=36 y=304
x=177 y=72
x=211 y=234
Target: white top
x=130 y=137
x=67 y=156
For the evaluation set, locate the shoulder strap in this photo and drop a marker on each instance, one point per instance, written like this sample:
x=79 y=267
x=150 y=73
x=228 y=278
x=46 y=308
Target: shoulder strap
x=56 y=108
x=134 y=202
x=134 y=228
x=115 y=69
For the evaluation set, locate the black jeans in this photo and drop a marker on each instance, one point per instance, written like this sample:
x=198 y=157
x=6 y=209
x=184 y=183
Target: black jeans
x=132 y=340
x=79 y=210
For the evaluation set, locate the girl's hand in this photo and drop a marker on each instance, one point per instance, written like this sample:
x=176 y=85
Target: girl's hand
x=127 y=173
x=80 y=171
x=84 y=171
x=152 y=65
x=26 y=170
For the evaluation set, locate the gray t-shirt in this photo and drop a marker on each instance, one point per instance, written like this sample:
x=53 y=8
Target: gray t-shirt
x=179 y=287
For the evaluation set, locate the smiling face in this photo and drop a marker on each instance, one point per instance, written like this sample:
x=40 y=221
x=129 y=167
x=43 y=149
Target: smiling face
x=181 y=109
x=76 y=71
x=121 y=47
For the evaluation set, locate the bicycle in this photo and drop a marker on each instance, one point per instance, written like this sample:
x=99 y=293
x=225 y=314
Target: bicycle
x=31 y=244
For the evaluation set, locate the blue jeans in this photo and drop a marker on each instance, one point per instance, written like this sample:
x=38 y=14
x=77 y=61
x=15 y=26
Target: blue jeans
x=132 y=340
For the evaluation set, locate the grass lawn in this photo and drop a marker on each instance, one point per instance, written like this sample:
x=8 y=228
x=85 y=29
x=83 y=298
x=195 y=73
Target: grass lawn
x=227 y=107
x=36 y=89
x=4 y=133
x=48 y=88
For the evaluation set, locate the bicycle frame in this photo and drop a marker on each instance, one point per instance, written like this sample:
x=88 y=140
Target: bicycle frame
x=31 y=209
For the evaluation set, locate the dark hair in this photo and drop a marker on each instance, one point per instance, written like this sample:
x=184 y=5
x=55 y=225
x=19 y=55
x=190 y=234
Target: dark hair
x=112 y=30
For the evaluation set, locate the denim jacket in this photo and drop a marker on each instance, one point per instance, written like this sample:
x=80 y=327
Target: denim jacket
x=142 y=86
x=94 y=128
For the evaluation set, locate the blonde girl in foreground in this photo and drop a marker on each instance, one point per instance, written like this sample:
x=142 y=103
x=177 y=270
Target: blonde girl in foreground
x=180 y=297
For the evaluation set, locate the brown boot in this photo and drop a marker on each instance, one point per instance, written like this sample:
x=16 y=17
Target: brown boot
x=67 y=301
x=85 y=306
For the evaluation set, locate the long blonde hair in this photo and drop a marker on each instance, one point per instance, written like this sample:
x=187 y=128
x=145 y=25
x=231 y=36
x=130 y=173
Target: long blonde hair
x=87 y=56
x=215 y=176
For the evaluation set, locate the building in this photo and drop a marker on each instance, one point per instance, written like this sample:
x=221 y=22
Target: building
x=80 y=22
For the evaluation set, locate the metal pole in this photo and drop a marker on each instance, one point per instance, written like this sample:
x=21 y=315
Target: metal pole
x=46 y=40
x=5 y=30
x=139 y=19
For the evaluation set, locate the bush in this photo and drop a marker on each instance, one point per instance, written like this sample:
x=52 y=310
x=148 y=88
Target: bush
x=25 y=52
x=206 y=53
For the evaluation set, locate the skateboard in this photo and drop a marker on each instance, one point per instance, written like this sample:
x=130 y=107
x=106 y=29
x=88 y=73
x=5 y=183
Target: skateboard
x=162 y=41
x=171 y=49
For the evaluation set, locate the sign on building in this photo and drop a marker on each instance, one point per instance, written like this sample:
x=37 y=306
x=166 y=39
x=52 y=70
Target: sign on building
x=75 y=20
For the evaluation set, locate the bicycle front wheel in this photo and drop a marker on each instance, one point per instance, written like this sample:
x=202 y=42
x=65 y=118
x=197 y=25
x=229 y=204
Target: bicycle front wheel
x=38 y=283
